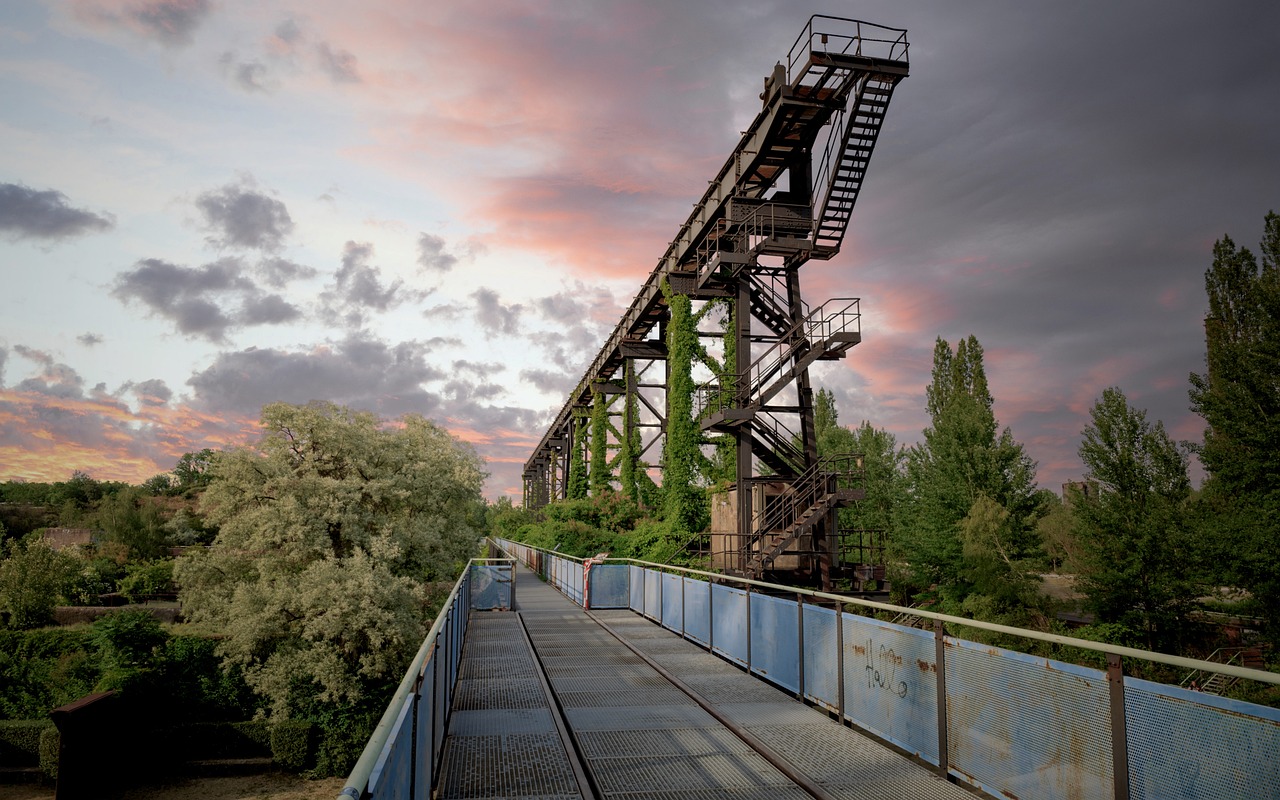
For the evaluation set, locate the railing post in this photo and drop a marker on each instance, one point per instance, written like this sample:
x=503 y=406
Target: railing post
x=711 y=616
x=800 y=644
x=1119 y=728
x=939 y=657
x=748 y=629
x=840 y=659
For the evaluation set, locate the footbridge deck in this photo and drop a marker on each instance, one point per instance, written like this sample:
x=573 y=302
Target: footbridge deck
x=557 y=701
x=631 y=680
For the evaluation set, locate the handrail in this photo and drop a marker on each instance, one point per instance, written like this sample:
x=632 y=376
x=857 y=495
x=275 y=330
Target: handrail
x=358 y=779
x=1052 y=638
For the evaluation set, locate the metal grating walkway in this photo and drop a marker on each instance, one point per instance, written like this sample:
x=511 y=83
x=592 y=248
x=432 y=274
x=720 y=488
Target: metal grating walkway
x=637 y=733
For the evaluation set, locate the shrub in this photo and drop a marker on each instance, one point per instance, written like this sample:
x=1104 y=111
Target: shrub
x=147 y=578
x=213 y=740
x=20 y=741
x=292 y=743
x=50 y=741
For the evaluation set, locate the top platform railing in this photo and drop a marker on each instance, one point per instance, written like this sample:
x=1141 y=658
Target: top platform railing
x=825 y=34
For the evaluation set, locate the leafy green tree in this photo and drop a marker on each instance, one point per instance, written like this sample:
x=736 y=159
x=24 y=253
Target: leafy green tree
x=1137 y=555
x=1058 y=536
x=1239 y=398
x=34 y=578
x=963 y=457
x=193 y=469
x=132 y=519
x=331 y=531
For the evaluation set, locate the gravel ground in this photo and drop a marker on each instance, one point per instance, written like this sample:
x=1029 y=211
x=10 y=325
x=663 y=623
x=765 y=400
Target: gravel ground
x=269 y=786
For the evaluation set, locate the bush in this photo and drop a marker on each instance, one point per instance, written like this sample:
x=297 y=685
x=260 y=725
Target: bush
x=146 y=579
x=292 y=743
x=50 y=741
x=43 y=669
x=20 y=741
x=33 y=579
x=214 y=740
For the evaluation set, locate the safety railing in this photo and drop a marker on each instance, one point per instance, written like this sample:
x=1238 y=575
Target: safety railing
x=402 y=756
x=824 y=34
x=1007 y=723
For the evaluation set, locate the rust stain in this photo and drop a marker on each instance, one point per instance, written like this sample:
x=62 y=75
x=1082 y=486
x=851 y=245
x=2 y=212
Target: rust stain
x=859 y=649
x=1010 y=795
x=925 y=666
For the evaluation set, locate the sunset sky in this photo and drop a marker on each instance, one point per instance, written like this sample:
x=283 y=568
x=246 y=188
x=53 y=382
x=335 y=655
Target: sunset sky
x=442 y=207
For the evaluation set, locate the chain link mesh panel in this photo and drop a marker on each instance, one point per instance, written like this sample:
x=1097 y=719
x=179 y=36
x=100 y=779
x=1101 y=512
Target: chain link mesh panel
x=890 y=683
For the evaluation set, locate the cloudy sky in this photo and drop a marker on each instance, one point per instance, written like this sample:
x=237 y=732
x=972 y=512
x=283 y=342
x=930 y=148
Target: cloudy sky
x=442 y=207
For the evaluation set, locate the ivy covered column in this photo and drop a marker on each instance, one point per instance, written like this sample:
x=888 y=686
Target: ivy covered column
x=601 y=475
x=680 y=451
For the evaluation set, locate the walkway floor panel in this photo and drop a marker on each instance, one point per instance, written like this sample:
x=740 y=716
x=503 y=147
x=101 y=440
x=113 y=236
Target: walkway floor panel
x=638 y=734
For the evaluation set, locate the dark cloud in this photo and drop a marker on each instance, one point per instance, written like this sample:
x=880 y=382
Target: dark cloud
x=477 y=368
x=202 y=301
x=445 y=312
x=154 y=392
x=358 y=370
x=358 y=289
x=338 y=64
x=271 y=309
x=54 y=380
x=432 y=255
x=248 y=75
x=170 y=22
x=89 y=339
x=239 y=216
x=493 y=316
x=27 y=213
x=279 y=272
x=285 y=37
x=551 y=381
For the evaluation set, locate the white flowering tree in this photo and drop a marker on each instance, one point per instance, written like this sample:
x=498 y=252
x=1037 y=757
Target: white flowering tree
x=331 y=531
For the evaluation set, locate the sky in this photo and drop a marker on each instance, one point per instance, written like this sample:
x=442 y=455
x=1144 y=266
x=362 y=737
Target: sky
x=442 y=208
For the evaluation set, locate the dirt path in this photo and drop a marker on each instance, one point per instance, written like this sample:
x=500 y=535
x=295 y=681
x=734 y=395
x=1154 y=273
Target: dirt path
x=270 y=786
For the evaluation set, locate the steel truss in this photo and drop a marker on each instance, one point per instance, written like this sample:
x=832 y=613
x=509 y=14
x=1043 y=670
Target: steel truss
x=783 y=197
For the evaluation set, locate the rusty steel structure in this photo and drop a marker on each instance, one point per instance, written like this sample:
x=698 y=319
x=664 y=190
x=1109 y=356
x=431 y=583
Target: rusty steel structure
x=784 y=196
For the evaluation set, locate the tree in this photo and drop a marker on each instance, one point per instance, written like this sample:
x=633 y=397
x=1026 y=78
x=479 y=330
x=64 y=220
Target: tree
x=331 y=530
x=1136 y=552
x=962 y=459
x=1239 y=398
x=192 y=470
x=33 y=579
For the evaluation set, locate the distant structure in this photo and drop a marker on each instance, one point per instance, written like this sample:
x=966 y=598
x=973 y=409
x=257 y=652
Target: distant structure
x=1085 y=488
x=70 y=538
x=784 y=196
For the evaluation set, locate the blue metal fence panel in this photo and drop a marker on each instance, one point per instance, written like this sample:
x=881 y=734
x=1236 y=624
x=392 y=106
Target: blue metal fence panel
x=391 y=776
x=1218 y=747
x=729 y=622
x=672 y=602
x=697 y=610
x=775 y=640
x=636 y=589
x=428 y=748
x=490 y=586
x=821 y=657
x=1026 y=726
x=609 y=585
x=890 y=683
x=575 y=581
x=652 y=607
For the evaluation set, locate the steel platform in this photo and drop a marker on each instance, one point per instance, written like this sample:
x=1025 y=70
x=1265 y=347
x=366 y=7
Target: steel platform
x=611 y=717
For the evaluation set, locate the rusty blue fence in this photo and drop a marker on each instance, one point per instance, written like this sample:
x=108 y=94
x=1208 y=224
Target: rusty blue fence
x=1007 y=723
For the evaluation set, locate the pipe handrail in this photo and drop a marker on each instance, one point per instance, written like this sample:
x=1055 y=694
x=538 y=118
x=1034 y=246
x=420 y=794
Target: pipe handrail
x=1182 y=662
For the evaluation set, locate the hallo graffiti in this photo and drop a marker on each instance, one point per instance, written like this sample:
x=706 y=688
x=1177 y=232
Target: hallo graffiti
x=882 y=671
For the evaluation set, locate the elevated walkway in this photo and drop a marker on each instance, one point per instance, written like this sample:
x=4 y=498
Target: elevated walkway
x=633 y=731
x=643 y=680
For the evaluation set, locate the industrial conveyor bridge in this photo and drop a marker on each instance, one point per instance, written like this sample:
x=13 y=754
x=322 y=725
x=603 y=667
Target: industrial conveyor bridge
x=784 y=196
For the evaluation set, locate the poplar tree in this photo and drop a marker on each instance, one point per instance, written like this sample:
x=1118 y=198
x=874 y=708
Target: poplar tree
x=963 y=458
x=1239 y=397
x=1137 y=563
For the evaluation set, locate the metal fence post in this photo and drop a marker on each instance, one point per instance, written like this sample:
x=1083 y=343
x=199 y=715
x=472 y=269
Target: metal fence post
x=711 y=616
x=939 y=657
x=840 y=659
x=1119 y=728
x=748 y=629
x=800 y=644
